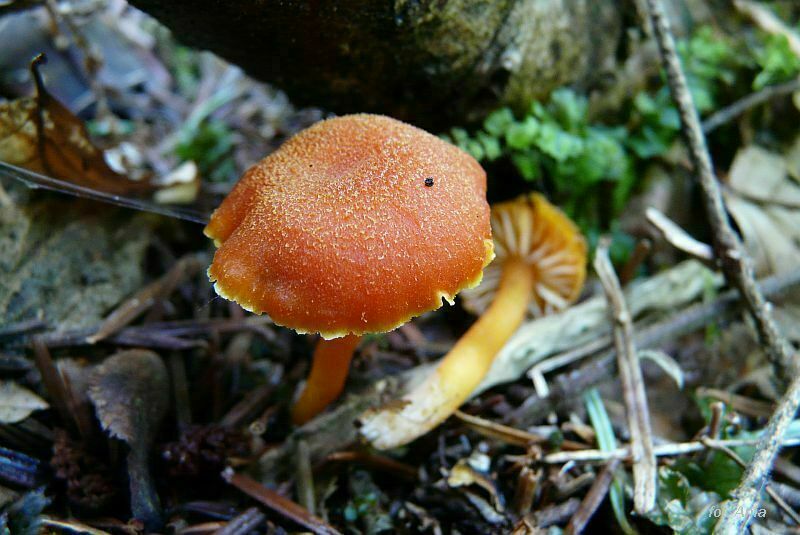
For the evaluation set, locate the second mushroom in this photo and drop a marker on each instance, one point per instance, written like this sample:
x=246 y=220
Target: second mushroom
x=540 y=266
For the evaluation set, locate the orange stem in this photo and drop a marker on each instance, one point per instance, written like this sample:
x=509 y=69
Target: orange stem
x=329 y=370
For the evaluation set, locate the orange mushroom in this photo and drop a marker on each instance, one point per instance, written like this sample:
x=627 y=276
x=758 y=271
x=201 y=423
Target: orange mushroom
x=355 y=225
x=540 y=266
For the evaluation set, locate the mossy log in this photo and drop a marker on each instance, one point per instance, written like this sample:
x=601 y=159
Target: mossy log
x=421 y=60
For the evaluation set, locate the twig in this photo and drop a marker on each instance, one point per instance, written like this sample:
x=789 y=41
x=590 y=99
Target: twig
x=644 y=468
x=639 y=254
x=593 y=499
x=35 y=181
x=22 y=327
x=376 y=461
x=677 y=237
x=278 y=503
x=755 y=477
x=243 y=524
x=72 y=526
x=131 y=308
x=248 y=407
x=180 y=390
x=734 y=110
x=335 y=430
x=305 y=478
x=510 y=435
x=772 y=494
x=53 y=382
x=661 y=450
x=739 y=403
x=736 y=265
x=525 y=492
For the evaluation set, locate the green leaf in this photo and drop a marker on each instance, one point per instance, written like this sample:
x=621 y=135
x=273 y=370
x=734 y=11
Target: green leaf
x=459 y=135
x=474 y=148
x=528 y=165
x=569 y=109
x=777 y=61
x=521 y=136
x=491 y=146
x=557 y=143
x=498 y=122
x=607 y=441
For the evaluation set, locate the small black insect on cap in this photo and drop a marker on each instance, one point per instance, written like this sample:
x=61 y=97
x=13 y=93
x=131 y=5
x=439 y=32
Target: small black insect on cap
x=429 y=181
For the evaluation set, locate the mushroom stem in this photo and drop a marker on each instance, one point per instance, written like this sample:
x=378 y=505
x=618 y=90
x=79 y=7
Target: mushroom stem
x=329 y=371
x=461 y=370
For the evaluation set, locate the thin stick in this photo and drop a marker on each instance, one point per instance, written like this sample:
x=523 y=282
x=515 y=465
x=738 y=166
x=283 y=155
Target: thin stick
x=772 y=494
x=639 y=254
x=305 y=478
x=146 y=297
x=661 y=450
x=278 y=503
x=735 y=264
x=53 y=382
x=243 y=524
x=72 y=526
x=630 y=374
x=510 y=435
x=373 y=460
x=593 y=499
x=755 y=477
x=36 y=180
x=731 y=112
x=679 y=238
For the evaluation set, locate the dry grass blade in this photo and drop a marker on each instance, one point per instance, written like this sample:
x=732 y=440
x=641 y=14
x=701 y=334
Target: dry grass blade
x=644 y=467
x=739 y=403
x=662 y=450
x=305 y=478
x=147 y=297
x=507 y=434
x=278 y=503
x=243 y=524
x=593 y=499
x=379 y=462
x=70 y=526
x=53 y=382
x=525 y=492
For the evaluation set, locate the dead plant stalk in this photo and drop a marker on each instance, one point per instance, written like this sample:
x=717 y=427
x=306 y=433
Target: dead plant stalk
x=633 y=389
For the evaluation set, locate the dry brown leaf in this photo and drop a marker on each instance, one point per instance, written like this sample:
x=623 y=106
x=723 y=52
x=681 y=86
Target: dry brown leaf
x=765 y=202
x=17 y=403
x=42 y=135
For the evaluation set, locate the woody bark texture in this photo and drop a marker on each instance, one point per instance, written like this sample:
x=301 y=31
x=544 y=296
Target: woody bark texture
x=413 y=59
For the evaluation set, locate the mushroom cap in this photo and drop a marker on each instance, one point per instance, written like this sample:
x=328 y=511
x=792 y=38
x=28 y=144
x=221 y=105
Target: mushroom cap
x=532 y=229
x=343 y=231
